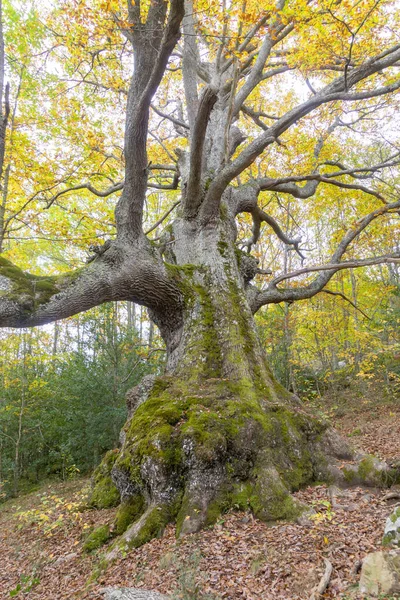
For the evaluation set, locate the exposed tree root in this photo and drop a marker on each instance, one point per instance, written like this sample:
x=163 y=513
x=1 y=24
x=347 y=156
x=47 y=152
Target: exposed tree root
x=189 y=455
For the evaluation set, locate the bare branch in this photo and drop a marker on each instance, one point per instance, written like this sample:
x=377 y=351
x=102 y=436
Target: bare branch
x=171 y=118
x=245 y=199
x=162 y=186
x=332 y=293
x=333 y=91
x=286 y=185
x=272 y=294
x=256 y=116
x=162 y=219
x=260 y=216
x=116 y=187
x=87 y=186
x=350 y=264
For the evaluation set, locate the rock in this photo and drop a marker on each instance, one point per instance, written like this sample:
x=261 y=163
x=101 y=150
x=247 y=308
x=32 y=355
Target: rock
x=349 y=507
x=131 y=594
x=391 y=535
x=306 y=518
x=335 y=492
x=380 y=574
x=66 y=558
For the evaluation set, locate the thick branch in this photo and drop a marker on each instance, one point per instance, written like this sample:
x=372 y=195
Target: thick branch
x=170 y=37
x=193 y=195
x=190 y=63
x=256 y=73
x=287 y=186
x=152 y=48
x=120 y=273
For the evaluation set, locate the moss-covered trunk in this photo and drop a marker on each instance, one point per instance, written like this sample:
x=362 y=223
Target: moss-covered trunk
x=217 y=431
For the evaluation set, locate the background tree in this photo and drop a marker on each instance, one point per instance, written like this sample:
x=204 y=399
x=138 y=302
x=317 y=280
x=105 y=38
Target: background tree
x=273 y=102
x=62 y=394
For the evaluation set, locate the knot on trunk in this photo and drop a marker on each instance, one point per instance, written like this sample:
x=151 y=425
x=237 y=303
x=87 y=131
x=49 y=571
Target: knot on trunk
x=248 y=266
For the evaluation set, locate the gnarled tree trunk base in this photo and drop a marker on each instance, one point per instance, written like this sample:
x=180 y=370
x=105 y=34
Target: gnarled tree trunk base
x=190 y=453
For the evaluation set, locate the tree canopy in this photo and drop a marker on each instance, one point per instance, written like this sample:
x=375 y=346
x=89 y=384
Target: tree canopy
x=300 y=96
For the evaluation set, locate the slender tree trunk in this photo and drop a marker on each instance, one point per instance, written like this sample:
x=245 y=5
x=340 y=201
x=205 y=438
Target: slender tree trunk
x=56 y=334
x=18 y=440
x=131 y=316
x=358 y=354
x=151 y=334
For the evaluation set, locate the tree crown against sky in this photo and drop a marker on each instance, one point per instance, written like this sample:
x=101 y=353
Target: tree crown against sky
x=291 y=136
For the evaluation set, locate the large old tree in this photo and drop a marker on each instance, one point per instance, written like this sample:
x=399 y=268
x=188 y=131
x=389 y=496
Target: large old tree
x=217 y=430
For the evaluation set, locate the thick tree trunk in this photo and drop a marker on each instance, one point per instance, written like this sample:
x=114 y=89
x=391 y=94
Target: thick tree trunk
x=217 y=431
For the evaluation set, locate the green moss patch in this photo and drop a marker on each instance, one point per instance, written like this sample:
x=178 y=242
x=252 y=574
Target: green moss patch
x=97 y=538
x=33 y=289
x=104 y=493
x=128 y=512
x=368 y=471
x=222 y=426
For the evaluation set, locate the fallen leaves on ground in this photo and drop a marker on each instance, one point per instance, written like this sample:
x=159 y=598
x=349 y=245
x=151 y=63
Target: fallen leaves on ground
x=241 y=558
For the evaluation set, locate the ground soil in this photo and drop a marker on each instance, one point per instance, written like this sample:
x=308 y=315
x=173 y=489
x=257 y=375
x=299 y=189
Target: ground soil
x=42 y=534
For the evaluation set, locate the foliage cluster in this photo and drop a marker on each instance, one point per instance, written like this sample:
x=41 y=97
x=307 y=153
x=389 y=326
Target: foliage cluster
x=327 y=344
x=62 y=394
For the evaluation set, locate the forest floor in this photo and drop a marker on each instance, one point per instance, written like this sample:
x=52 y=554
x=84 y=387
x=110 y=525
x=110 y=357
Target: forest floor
x=42 y=534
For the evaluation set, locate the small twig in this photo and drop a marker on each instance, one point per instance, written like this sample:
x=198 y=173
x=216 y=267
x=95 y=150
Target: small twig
x=332 y=293
x=323 y=584
x=162 y=218
x=391 y=495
